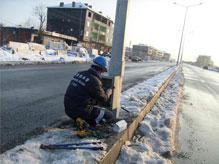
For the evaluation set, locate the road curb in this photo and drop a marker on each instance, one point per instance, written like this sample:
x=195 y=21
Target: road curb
x=176 y=121
x=114 y=150
x=175 y=126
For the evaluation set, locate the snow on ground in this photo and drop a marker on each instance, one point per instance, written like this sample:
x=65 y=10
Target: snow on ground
x=29 y=153
x=45 y=56
x=7 y=56
x=135 y=98
x=72 y=58
x=154 y=139
x=154 y=125
x=30 y=56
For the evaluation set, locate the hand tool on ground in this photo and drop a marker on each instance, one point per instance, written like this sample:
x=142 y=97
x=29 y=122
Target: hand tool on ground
x=73 y=146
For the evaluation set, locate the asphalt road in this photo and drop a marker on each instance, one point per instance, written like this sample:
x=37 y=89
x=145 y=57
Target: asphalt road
x=32 y=95
x=199 y=118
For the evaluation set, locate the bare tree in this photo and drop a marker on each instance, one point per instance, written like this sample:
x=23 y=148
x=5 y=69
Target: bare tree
x=40 y=13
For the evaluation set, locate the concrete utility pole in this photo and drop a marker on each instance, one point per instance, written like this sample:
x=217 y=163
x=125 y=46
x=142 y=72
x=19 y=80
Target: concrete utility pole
x=179 y=60
x=117 y=63
x=183 y=44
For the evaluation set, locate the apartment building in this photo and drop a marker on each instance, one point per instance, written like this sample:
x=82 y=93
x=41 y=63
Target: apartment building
x=81 y=21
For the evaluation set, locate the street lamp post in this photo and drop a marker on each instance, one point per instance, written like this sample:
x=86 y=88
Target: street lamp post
x=179 y=59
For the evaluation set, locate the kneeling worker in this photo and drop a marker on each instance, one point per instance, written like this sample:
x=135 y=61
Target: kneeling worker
x=85 y=94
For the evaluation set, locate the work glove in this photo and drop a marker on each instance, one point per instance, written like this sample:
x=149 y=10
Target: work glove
x=109 y=92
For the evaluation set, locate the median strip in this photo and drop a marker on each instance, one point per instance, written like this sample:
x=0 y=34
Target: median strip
x=134 y=99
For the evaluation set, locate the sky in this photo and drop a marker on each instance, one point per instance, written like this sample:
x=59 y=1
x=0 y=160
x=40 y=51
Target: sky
x=157 y=23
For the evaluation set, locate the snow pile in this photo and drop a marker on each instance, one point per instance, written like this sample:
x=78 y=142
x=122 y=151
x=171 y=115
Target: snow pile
x=139 y=153
x=7 y=56
x=30 y=56
x=30 y=152
x=154 y=138
x=48 y=55
x=135 y=98
x=68 y=58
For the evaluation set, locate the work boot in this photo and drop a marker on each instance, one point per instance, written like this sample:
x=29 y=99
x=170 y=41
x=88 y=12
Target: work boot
x=81 y=124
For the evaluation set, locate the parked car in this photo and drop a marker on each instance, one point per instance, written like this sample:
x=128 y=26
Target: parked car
x=205 y=67
x=61 y=59
x=136 y=59
x=51 y=52
x=72 y=53
x=8 y=49
x=106 y=54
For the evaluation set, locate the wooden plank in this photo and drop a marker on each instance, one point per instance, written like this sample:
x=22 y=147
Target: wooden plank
x=113 y=153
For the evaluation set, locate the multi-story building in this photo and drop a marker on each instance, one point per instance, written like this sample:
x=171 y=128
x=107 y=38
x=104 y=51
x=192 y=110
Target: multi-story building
x=203 y=60
x=149 y=53
x=79 y=20
x=140 y=50
x=145 y=52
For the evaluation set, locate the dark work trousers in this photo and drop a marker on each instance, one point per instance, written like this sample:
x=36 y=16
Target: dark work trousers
x=91 y=114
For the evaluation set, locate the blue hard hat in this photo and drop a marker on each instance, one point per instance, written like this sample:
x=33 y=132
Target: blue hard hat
x=101 y=62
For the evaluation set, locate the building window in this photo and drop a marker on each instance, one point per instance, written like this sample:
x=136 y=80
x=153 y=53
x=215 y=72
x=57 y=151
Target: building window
x=88 y=24
x=94 y=36
x=96 y=26
x=102 y=29
x=97 y=17
x=89 y=14
x=109 y=23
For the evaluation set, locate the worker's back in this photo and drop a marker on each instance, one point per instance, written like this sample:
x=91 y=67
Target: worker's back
x=85 y=89
x=85 y=96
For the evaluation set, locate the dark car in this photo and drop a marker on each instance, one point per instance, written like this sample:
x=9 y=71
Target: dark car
x=136 y=59
x=205 y=67
x=106 y=54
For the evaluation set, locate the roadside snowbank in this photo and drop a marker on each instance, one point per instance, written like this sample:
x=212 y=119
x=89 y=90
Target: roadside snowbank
x=44 y=57
x=30 y=153
x=154 y=139
x=139 y=153
x=6 y=56
x=133 y=100
x=29 y=56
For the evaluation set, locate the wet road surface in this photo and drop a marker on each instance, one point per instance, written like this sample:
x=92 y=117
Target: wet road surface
x=32 y=95
x=199 y=118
